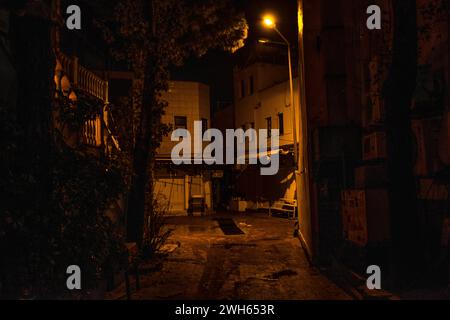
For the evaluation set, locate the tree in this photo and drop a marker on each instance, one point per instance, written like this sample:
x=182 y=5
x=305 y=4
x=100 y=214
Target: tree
x=152 y=36
x=55 y=194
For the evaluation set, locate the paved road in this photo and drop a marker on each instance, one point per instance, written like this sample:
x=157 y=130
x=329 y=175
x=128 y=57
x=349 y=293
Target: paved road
x=265 y=263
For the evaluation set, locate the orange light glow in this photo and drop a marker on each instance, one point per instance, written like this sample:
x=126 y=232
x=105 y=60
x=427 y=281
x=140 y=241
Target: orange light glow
x=269 y=21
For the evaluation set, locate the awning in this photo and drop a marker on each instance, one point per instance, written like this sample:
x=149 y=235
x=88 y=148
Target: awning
x=262 y=155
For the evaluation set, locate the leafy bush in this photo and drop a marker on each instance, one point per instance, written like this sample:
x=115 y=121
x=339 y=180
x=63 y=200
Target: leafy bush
x=155 y=230
x=38 y=243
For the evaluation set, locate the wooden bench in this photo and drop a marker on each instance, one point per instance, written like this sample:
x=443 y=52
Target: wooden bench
x=283 y=206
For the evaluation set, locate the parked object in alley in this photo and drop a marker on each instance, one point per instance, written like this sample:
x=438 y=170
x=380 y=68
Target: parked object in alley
x=365 y=216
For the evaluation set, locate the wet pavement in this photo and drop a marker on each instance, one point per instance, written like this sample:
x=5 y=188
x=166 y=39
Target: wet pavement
x=266 y=262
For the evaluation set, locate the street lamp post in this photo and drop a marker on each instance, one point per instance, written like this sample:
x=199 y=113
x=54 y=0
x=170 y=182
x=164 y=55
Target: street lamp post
x=270 y=23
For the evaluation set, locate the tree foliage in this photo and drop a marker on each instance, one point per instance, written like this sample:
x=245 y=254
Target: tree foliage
x=39 y=246
x=56 y=194
x=152 y=36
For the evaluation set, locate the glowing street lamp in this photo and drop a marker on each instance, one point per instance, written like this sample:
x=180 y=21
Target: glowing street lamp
x=269 y=22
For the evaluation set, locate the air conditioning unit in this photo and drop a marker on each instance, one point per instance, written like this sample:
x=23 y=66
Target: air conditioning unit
x=365 y=216
x=374 y=146
x=426 y=146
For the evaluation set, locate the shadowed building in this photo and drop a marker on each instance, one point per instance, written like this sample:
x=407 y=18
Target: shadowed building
x=353 y=152
x=262 y=101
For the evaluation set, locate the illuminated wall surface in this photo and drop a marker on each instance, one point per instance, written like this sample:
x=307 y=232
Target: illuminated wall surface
x=185 y=99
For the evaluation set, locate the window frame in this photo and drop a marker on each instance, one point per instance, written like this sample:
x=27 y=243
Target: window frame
x=243 y=89
x=252 y=85
x=281 y=123
x=204 y=125
x=269 y=126
x=176 y=126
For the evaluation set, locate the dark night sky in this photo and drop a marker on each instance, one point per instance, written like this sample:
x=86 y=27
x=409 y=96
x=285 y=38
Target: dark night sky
x=216 y=68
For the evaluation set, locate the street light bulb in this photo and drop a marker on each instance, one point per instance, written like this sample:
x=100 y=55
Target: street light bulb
x=269 y=21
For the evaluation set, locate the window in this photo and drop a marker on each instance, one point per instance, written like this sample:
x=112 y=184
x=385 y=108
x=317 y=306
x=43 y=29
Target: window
x=269 y=126
x=281 y=123
x=204 y=125
x=252 y=85
x=180 y=122
x=242 y=88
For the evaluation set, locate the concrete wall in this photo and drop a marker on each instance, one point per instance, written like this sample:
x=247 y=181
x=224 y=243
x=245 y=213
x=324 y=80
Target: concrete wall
x=174 y=187
x=276 y=100
x=342 y=58
x=265 y=76
x=270 y=98
x=185 y=99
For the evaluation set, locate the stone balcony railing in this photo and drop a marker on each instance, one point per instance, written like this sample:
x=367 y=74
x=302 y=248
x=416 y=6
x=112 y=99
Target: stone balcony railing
x=84 y=79
x=95 y=132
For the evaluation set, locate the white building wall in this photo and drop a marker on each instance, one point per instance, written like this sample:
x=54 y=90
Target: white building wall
x=185 y=99
x=190 y=100
x=264 y=76
x=270 y=98
x=276 y=100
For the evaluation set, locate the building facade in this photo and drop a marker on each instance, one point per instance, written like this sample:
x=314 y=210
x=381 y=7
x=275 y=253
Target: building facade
x=262 y=101
x=176 y=186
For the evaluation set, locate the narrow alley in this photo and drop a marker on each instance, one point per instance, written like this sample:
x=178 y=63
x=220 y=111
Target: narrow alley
x=266 y=262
